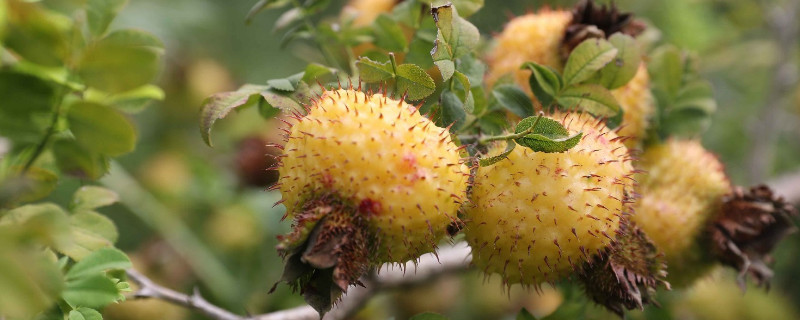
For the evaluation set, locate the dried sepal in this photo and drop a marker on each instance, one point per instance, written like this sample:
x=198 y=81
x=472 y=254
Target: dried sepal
x=747 y=228
x=590 y=20
x=625 y=275
x=326 y=252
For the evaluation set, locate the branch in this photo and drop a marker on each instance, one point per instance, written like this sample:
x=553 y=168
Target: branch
x=450 y=259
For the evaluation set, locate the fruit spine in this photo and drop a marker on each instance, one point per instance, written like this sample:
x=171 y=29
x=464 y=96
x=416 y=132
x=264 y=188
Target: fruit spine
x=366 y=180
x=539 y=216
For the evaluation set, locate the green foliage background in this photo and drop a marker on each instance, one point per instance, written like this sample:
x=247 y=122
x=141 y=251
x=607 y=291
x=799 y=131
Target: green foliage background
x=186 y=218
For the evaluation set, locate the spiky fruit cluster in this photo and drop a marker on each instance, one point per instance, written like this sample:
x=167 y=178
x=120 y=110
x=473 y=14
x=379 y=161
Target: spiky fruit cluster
x=404 y=174
x=681 y=191
x=539 y=216
x=547 y=36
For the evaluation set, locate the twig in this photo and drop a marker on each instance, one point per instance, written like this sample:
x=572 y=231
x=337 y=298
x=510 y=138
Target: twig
x=449 y=260
x=149 y=289
x=783 y=24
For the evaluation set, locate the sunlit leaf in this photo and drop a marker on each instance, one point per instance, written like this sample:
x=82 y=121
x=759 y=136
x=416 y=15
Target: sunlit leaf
x=36 y=34
x=100 y=13
x=92 y=197
x=466 y=8
x=121 y=61
x=29 y=282
x=82 y=313
x=545 y=82
x=101 y=129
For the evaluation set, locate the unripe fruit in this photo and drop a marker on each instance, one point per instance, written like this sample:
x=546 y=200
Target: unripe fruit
x=540 y=38
x=681 y=191
x=538 y=216
x=403 y=173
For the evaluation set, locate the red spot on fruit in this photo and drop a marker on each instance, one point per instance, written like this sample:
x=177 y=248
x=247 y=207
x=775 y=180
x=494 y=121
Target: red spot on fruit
x=410 y=160
x=369 y=207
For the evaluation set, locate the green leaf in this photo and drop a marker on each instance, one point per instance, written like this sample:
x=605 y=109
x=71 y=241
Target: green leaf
x=414 y=82
x=452 y=110
x=624 y=66
x=428 y=316
x=373 y=71
x=545 y=82
x=666 y=69
x=588 y=57
x=77 y=161
x=219 y=105
x=685 y=123
x=281 y=84
x=547 y=136
x=525 y=315
x=473 y=68
x=25 y=99
x=94 y=292
x=466 y=8
x=100 y=13
x=510 y=145
x=513 y=99
x=388 y=34
x=89 y=231
x=29 y=282
x=36 y=34
x=101 y=129
x=93 y=197
x=134 y=100
x=697 y=94
x=287 y=18
x=455 y=38
x=494 y=123
x=35 y=184
x=594 y=99
x=45 y=222
x=408 y=12
x=466 y=94
x=419 y=51
x=262 y=5
x=82 y=313
x=98 y=263
x=314 y=71
x=122 y=61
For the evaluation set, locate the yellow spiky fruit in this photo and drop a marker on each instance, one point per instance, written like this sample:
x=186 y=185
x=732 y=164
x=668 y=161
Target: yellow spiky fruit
x=402 y=172
x=538 y=216
x=533 y=37
x=366 y=11
x=681 y=191
x=538 y=37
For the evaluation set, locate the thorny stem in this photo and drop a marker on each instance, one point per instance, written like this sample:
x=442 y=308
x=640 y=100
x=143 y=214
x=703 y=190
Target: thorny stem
x=513 y=136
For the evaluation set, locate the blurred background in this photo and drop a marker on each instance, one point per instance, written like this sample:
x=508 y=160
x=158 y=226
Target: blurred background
x=204 y=217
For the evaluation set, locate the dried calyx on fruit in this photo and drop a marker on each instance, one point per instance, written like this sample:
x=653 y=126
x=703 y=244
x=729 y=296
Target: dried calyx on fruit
x=538 y=217
x=366 y=179
x=748 y=227
x=597 y=21
x=626 y=274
